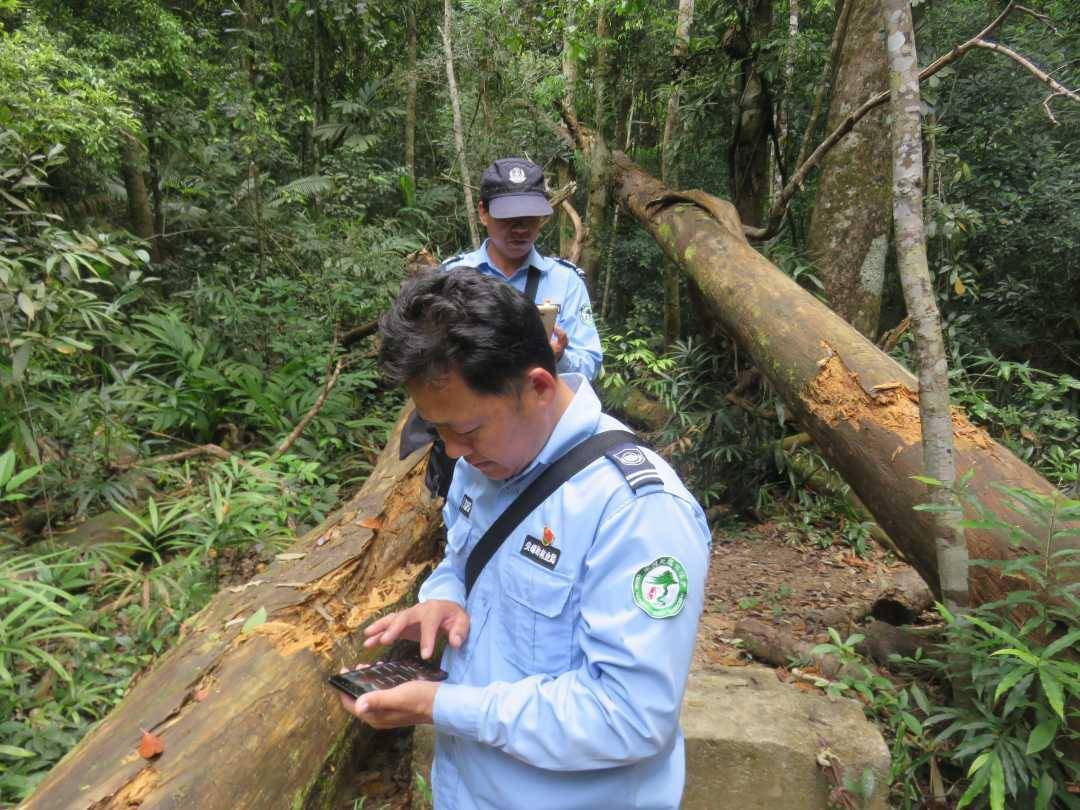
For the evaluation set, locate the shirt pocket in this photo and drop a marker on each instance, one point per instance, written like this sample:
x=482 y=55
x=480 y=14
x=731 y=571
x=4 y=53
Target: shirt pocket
x=534 y=618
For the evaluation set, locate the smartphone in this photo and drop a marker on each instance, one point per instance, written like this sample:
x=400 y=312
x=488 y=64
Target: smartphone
x=385 y=675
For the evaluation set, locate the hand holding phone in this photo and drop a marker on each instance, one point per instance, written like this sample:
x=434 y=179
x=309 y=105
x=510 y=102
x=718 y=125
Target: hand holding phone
x=385 y=675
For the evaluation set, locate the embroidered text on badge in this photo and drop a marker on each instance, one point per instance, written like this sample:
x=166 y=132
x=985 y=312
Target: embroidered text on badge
x=535 y=550
x=466 y=505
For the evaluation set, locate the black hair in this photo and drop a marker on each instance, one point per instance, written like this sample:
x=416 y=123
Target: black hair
x=461 y=320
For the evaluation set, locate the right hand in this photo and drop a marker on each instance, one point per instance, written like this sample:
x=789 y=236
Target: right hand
x=421 y=623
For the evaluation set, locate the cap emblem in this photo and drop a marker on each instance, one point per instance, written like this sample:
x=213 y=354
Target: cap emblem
x=517 y=175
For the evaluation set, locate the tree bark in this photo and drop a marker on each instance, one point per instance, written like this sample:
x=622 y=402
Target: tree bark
x=459 y=131
x=672 y=316
x=859 y=405
x=753 y=119
x=907 y=169
x=140 y=215
x=410 y=94
x=248 y=719
x=599 y=191
x=849 y=226
x=782 y=103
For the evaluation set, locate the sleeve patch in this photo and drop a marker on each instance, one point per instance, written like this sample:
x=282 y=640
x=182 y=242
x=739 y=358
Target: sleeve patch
x=660 y=587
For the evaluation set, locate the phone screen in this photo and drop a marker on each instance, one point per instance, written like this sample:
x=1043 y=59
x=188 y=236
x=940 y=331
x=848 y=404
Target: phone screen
x=385 y=675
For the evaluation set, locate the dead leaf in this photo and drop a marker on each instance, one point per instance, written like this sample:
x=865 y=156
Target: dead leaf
x=254 y=620
x=373 y=522
x=290 y=555
x=150 y=746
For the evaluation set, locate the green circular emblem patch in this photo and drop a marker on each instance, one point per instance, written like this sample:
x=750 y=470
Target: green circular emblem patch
x=660 y=587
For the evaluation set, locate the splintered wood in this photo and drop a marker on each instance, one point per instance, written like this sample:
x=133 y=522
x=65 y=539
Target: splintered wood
x=835 y=395
x=133 y=794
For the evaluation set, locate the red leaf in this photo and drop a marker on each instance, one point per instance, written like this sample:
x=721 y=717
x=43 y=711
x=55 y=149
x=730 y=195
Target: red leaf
x=150 y=746
x=201 y=695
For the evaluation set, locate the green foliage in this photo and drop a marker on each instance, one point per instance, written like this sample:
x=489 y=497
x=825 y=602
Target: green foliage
x=49 y=98
x=1014 y=736
x=1007 y=732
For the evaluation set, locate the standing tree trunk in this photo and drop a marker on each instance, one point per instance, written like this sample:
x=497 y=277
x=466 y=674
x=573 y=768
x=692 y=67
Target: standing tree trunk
x=567 y=230
x=749 y=157
x=140 y=215
x=849 y=227
x=937 y=433
x=672 y=318
x=782 y=103
x=859 y=405
x=599 y=190
x=410 y=98
x=247 y=718
x=459 y=131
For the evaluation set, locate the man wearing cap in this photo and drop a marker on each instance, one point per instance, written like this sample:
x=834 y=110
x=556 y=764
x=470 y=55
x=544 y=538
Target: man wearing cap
x=514 y=207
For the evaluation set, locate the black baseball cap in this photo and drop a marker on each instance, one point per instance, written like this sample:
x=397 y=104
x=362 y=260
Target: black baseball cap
x=514 y=187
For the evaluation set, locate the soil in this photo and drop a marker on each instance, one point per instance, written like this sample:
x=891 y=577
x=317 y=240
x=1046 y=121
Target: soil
x=767 y=572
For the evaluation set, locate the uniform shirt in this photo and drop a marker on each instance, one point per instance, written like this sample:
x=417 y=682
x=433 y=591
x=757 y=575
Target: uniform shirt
x=560 y=283
x=566 y=692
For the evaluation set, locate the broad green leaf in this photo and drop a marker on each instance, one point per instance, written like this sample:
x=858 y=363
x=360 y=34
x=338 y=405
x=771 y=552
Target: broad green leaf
x=997 y=785
x=1046 y=791
x=912 y=723
x=1009 y=681
x=27 y=306
x=7 y=465
x=1067 y=641
x=980 y=760
x=1042 y=735
x=1023 y=655
x=1054 y=693
x=15 y=752
x=254 y=620
x=20 y=361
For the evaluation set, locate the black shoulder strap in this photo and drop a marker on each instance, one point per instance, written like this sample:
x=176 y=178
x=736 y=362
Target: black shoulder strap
x=532 y=284
x=573 y=461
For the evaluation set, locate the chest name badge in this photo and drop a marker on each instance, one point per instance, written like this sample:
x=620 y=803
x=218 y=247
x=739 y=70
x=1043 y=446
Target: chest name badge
x=466 y=505
x=535 y=550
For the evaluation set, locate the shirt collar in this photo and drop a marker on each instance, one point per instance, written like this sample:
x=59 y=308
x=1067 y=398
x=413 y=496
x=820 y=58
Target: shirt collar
x=578 y=422
x=534 y=259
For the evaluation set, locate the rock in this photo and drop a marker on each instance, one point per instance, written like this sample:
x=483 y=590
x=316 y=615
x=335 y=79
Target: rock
x=754 y=741
x=752 y=744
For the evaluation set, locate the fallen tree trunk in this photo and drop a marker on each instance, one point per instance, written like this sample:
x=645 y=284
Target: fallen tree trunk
x=246 y=718
x=859 y=405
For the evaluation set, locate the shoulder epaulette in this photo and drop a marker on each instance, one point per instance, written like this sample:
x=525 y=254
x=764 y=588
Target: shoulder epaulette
x=446 y=264
x=634 y=465
x=572 y=266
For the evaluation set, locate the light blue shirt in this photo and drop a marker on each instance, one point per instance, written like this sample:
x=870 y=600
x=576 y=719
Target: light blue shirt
x=566 y=693
x=560 y=283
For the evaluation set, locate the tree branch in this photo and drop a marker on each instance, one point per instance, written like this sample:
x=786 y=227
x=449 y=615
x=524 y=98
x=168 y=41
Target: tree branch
x=1057 y=88
x=331 y=381
x=779 y=208
x=579 y=232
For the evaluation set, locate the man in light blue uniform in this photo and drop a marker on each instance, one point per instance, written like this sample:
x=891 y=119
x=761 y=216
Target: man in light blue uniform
x=513 y=208
x=568 y=658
